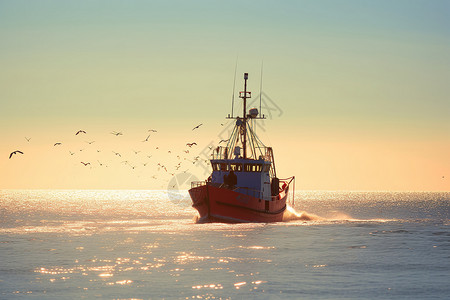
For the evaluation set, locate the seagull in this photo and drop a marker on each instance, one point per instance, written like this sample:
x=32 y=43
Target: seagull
x=152 y=130
x=71 y=153
x=116 y=133
x=191 y=144
x=197 y=126
x=118 y=154
x=57 y=144
x=80 y=131
x=146 y=140
x=15 y=152
x=28 y=139
x=85 y=164
x=136 y=152
x=90 y=143
x=187 y=151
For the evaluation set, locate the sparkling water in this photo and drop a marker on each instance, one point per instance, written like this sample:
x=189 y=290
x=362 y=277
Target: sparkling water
x=70 y=244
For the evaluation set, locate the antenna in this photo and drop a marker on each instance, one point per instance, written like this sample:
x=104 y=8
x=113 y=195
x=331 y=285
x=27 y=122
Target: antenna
x=260 y=86
x=234 y=85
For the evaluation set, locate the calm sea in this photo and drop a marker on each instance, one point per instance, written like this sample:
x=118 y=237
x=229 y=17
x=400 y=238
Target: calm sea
x=62 y=244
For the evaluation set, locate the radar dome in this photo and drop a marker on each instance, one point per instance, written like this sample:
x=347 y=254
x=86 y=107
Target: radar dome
x=253 y=112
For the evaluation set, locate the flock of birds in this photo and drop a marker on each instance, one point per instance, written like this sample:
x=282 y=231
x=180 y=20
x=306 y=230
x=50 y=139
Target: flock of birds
x=183 y=157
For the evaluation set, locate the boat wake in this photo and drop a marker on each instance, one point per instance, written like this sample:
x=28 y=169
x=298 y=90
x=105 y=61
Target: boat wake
x=290 y=214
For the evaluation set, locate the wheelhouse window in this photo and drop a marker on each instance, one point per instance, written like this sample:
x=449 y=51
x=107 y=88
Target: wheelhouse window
x=236 y=167
x=253 y=168
x=223 y=167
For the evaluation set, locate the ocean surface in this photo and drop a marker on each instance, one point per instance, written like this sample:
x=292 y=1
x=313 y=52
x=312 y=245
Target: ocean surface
x=72 y=244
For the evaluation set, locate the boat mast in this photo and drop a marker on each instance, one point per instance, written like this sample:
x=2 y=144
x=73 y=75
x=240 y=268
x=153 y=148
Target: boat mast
x=244 y=96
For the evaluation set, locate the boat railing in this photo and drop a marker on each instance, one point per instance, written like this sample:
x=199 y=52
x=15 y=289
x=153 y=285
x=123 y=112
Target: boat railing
x=224 y=152
x=221 y=152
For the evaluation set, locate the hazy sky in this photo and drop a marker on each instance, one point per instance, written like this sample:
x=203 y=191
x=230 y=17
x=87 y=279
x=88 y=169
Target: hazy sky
x=357 y=92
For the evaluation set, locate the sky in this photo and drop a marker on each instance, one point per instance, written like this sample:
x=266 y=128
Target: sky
x=356 y=93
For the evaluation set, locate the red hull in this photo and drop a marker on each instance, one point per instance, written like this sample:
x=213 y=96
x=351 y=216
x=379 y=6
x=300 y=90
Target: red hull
x=216 y=204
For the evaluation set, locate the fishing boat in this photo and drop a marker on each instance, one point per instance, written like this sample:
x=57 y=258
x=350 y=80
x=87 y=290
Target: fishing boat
x=243 y=185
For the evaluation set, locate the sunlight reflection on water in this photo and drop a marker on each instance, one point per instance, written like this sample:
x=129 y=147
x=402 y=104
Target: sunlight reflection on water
x=138 y=244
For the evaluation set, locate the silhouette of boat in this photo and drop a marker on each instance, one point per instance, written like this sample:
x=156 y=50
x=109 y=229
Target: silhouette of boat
x=243 y=185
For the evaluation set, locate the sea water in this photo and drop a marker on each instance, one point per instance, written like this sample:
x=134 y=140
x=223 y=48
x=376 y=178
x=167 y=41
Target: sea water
x=63 y=244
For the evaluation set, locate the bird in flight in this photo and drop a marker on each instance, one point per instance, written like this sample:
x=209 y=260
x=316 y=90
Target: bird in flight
x=28 y=139
x=90 y=143
x=118 y=154
x=80 y=131
x=191 y=144
x=71 y=153
x=152 y=130
x=85 y=164
x=15 y=152
x=197 y=126
x=146 y=140
x=57 y=144
x=116 y=133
